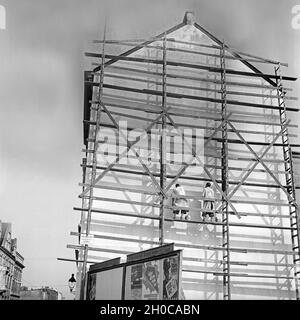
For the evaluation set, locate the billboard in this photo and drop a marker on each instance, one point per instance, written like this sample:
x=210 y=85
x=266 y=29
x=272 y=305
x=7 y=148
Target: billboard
x=154 y=280
x=105 y=285
x=153 y=274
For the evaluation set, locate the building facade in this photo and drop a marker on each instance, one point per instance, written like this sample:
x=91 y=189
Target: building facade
x=184 y=108
x=44 y=293
x=11 y=264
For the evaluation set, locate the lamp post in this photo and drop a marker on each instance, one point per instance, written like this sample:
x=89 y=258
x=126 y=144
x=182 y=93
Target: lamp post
x=72 y=283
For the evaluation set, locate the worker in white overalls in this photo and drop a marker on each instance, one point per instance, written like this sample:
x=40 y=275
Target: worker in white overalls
x=208 y=202
x=180 y=202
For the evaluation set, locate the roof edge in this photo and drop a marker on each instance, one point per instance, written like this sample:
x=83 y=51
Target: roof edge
x=130 y=51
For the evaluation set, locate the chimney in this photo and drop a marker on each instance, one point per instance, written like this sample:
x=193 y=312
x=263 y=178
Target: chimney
x=189 y=17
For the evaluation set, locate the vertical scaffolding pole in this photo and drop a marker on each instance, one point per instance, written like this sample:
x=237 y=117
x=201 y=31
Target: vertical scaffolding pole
x=94 y=170
x=290 y=183
x=225 y=220
x=82 y=216
x=163 y=142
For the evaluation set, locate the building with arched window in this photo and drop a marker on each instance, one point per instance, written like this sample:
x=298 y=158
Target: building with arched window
x=11 y=264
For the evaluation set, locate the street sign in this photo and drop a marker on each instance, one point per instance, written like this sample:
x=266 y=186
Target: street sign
x=86 y=240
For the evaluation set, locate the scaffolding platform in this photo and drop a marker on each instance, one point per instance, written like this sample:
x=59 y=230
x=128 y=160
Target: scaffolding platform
x=183 y=107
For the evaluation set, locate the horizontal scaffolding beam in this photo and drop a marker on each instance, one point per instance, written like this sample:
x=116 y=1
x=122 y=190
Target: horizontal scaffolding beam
x=186 y=65
x=191 y=97
x=228 y=57
x=205 y=112
x=232 y=141
x=240 y=275
x=191 y=246
x=169 y=176
x=233 y=224
x=185 y=77
x=172 y=85
x=190 y=43
x=264 y=133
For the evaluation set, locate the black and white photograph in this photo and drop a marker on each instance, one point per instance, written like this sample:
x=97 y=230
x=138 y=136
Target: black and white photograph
x=149 y=150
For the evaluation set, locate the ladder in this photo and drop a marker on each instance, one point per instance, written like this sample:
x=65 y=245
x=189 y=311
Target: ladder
x=225 y=216
x=290 y=180
x=162 y=143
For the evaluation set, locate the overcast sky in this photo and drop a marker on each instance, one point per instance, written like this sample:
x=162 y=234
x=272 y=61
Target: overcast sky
x=41 y=95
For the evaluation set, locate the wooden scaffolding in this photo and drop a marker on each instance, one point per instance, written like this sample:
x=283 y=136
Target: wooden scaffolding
x=185 y=107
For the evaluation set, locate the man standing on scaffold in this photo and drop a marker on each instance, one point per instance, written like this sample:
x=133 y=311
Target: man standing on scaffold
x=208 y=203
x=179 y=200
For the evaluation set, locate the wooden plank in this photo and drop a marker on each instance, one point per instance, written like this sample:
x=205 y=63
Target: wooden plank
x=124 y=188
x=118 y=187
x=186 y=65
x=201 y=222
x=193 y=246
x=172 y=85
x=232 y=141
x=153 y=217
x=228 y=57
x=233 y=200
x=185 y=77
x=78 y=247
x=193 y=97
x=265 y=133
x=120 y=98
x=195 y=44
x=158 y=38
x=132 y=148
x=239 y=263
x=255 y=182
x=110 y=167
x=155 y=108
x=188 y=115
x=74 y=260
x=153 y=160
x=259 y=159
x=207 y=155
x=240 y=275
x=170 y=176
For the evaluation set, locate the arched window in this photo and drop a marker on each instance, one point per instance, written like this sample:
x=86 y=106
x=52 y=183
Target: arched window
x=2 y=18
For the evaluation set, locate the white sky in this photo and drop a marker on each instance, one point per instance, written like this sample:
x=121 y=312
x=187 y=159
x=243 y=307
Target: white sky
x=41 y=95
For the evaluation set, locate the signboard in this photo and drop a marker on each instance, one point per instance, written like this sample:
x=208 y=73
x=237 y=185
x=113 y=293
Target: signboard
x=142 y=277
x=154 y=280
x=86 y=240
x=143 y=281
x=105 y=264
x=171 y=271
x=105 y=285
x=151 y=252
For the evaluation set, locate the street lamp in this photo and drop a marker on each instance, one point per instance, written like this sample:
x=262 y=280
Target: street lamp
x=72 y=282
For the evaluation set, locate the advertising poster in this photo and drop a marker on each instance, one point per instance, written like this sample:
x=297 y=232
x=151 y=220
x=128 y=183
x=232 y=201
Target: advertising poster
x=136 y=282
x=170 y=278
x=151 y=281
